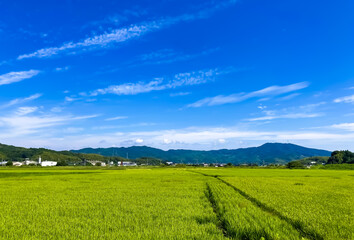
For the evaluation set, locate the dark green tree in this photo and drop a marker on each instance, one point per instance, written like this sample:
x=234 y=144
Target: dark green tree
x=9 y=163
x=339 y=157
x=295 y=165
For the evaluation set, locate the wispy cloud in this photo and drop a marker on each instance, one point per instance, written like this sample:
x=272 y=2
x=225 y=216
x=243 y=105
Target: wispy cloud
x=26 y=110
x=3 y=62
x=290 y=96
x=71 y=99
x=178 y=80
x=166 y=56
x=116 y=19
x=125 y=33
x=116 y=118
x=20 y=123
x=116 y=36
x=62 y=69
x=194 y=138
x=13 y=77
x=288 y=116
x=178 y=94
x=22 y=100
x=312 y=106
x=239 y=97
x=344 y=126
x=303 y=111
x=346 y=99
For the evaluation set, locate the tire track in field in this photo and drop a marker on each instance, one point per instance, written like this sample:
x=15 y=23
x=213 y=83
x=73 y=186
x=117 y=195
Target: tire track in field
x=221 y=222
x=297 y=225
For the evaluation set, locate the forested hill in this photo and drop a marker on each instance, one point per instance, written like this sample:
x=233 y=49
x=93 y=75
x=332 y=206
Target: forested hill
x=12 y=153
x=267 y=153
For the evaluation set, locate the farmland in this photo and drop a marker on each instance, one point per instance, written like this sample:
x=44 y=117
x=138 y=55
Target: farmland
x=172 y=203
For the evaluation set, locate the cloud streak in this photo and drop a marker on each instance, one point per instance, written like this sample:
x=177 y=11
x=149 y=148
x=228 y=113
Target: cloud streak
x=125 y=33
x=13 y=77
x=166 y=56
x=240 y=97
x=22 y=100
x=116 y=118
x=344 y=126
x=20 y=123
x=26 y=110
x=286 y=116
x=346 y=99
x=178 y=80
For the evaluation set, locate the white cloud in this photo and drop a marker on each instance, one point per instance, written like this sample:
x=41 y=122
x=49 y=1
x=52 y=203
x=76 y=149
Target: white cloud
x=180 y=94
x=312 y=106
x=178 y=80
x=262 y=107
x=20 y=124
x=73 y=130
x=126 y=33
x=13 y=77
x=103 y=40
x=116 y=19
x=288 y=116
x=290 y=96
x=22 y=100
x=26 y=110
x=56 y=109
x=61 y=69
x=116 y=118
x=187 y=138
x=344 y=126
x=304 y=111
x=346 y=99
x=71 y=99
x=166 y=56
x=218 y=100
x=277 y=90
x=239 y=97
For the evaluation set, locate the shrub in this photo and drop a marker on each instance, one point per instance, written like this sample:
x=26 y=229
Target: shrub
x=295 y=165
x=9 y=163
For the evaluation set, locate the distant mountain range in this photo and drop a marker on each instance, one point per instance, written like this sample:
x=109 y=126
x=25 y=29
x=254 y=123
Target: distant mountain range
x=267 y=153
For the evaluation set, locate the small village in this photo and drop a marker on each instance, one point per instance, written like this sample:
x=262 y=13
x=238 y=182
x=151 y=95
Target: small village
x=45 y=163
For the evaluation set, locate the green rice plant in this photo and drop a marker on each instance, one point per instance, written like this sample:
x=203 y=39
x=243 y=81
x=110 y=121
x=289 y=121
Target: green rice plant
x=105 y=204
x=317 y=202
x=241 y=219
x=175 y=203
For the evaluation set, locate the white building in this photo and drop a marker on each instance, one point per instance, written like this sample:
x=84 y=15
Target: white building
x=48 y=164
x=103 y=164
x=28 y=162
x=3 y=163
x=130 y=164
x=17 y=164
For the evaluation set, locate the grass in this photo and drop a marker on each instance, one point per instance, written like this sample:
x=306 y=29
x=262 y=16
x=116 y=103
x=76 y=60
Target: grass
x=319 y=203
x=167 y=203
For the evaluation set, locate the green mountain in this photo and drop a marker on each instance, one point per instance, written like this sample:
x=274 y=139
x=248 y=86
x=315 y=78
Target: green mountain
x=267 y=153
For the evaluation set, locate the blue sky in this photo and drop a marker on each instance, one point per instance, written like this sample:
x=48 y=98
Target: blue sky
x=177 y=74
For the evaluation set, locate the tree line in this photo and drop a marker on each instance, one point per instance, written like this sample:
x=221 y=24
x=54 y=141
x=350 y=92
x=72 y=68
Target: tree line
x=337 y=157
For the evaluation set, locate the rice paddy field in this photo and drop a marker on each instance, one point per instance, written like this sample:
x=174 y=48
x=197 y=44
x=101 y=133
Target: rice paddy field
x=172 y=203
